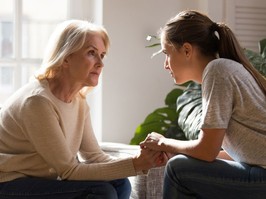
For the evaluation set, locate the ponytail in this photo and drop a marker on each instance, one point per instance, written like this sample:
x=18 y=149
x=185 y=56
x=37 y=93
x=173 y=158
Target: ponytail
x=230 y=48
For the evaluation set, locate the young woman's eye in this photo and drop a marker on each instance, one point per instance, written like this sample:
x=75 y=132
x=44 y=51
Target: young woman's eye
x=166 y=53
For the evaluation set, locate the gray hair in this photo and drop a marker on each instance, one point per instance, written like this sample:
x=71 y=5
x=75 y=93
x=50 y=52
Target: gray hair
x=68 y=37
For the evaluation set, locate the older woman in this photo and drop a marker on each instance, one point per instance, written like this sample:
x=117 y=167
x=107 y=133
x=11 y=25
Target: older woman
x=45 y=124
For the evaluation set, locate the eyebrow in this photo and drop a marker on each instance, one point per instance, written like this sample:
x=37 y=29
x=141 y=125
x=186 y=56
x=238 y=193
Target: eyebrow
x=94 y=47
x=91 y=46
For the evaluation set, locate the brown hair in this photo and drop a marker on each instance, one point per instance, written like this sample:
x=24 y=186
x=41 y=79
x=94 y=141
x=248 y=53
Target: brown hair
x=212 y=39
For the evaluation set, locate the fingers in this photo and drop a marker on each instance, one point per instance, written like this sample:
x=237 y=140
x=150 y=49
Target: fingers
x=149 y=145
x=157 y=158
x=162 y=159
x=151 y=142
x=151 y=150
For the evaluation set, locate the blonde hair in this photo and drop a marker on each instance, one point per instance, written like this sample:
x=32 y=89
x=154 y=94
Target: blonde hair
x=68 y=37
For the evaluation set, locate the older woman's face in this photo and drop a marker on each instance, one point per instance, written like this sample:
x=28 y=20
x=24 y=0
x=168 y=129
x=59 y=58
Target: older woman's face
x=85 y=66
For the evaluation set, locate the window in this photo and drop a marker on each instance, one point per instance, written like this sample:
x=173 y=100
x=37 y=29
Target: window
x=248 y=21
x=25 y=26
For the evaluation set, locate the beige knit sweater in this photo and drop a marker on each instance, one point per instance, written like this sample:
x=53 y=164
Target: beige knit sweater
x=41 y=136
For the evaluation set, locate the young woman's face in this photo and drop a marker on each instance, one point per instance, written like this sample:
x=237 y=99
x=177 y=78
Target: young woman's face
x=85 y=66
x=176 y=62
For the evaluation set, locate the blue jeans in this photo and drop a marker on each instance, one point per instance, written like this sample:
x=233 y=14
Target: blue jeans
x=189 y=178
x=39 y=188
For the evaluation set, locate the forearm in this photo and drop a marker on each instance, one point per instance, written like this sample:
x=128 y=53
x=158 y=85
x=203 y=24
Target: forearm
x=206 y=147
x=191 y=148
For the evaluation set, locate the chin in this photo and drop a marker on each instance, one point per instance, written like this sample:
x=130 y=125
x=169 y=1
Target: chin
x=179 y=82
x=92 y=83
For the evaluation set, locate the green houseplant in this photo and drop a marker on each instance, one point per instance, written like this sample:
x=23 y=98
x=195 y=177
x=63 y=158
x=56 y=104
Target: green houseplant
x=180 y=118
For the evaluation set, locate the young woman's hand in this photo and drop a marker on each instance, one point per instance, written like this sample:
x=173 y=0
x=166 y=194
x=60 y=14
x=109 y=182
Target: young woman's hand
x=153 y=141
x=156 y=142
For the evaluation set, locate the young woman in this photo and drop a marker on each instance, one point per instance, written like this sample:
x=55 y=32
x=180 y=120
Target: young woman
x=46 y=124
x=233 y=114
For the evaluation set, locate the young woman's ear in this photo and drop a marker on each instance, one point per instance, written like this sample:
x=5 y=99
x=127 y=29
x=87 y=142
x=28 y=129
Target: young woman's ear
x=187 y=49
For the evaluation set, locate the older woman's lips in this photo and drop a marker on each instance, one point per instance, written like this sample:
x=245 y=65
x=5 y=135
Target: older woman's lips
x=95 y=73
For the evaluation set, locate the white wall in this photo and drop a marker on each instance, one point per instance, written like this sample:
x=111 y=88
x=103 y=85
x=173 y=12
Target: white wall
x=133 y=84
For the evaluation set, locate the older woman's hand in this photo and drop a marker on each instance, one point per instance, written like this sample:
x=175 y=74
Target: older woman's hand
x=148 y=158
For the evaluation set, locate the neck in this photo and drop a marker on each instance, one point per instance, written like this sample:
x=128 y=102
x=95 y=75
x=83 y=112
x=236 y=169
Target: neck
x=201 y=65
x=62 y=89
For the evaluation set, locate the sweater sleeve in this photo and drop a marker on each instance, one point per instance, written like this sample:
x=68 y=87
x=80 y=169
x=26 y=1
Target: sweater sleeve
x=41 y=125
x=90 y=151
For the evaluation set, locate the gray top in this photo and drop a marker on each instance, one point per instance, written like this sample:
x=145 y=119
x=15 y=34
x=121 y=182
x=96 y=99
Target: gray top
x=233 y=100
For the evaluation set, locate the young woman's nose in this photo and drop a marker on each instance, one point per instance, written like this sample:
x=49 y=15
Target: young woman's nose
x=166 y=66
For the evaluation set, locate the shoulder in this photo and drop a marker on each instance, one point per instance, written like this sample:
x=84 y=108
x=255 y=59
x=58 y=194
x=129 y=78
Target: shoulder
x=19 y=97
x=224 y=69
x=222 y=66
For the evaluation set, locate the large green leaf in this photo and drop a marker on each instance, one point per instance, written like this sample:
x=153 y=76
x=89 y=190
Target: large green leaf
x=257 y=61
x=158 y=121
x=262 y=47
x=171 y=97
x=161 y=120
x=175 y=132
x=192 y=123
x=189 y=106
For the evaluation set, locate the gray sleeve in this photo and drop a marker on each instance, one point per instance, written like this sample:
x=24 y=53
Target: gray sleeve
x=217 y=97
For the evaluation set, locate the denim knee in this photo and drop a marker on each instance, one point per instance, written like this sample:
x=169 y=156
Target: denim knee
x=123 y=188
x=178 y=163
x=106 y=190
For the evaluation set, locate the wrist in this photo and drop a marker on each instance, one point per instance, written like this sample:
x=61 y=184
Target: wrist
x=168 y=146
x=136 y=164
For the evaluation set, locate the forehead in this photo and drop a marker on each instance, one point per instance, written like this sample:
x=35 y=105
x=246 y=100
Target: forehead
x=165 y=45
x=163 y=40
x=96 y=41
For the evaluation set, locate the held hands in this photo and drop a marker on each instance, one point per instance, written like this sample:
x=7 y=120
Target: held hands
x=152 y=153
x=147 y=159
x=154 y=141
x=157 y=142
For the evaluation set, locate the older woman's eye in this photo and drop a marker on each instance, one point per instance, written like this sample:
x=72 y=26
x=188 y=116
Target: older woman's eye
x=102 y=56
x=92 y=52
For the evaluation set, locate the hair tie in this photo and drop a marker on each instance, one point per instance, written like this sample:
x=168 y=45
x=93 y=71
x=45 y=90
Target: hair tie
x=214 y=27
